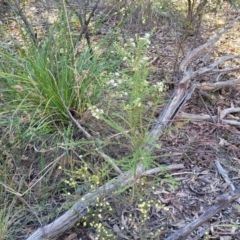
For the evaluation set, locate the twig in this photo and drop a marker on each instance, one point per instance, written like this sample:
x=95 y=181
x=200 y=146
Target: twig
x=224 y=201
x=84 y=24
x=28 y=26
x=226 y=111
x=214 y=86
x=86 y=134
x=162 y=169
x=110 y=160
x=89 y=137
x=208 y=68
x=205 y=117
x=224 y=174
x=224 y=70
x=206 y=107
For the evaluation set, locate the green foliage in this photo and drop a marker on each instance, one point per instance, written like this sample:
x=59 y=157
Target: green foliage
x=132 y=90
x=38 y=80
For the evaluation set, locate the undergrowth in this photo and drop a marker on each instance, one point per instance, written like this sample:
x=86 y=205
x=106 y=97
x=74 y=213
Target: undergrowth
x=106 y=89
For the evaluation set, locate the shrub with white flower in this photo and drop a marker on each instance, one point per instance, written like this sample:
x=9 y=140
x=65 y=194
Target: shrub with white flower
x=96 y=112
x=115 y=79
x=137 y=102
x=112 y=83
x=160 y=86
x=130 y=85
x=145 y=39
x=144 y=59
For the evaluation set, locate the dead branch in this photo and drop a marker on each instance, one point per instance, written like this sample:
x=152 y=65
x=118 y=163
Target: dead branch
x=224 y=201
x=84 y=23
x=79 y=209
x=187 y=59
x=185 y=87
x=226 y=111
x=205 y=117
x=19 y=11
x=218 y=85
x=210 y=68
x=224 y=174
x=225 y=70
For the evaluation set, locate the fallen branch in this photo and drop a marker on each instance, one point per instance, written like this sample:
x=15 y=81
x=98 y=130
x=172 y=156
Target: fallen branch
x=79 y=209
x=217 y=85
x=186 y=87
x=224 y=174
x=187 y=59
x=205 y=117
x=226 y=111
x=224 y=201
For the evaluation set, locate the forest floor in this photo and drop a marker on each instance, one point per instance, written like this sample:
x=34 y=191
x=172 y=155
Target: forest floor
x=185 y=193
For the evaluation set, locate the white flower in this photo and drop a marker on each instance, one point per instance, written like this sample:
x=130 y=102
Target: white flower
x=145 y=58
x=135 y=68
x=96 y=112
x=137 y=102
x=145 y=38
x=119 y=81
x=112 y=81
x=160 y=86
x=147 y=35
x=133 y=44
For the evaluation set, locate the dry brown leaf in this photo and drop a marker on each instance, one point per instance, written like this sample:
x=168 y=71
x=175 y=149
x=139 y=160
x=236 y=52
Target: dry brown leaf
x=71 y=236
x=177 y=205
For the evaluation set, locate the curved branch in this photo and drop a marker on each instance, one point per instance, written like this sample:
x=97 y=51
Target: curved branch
x=187 y=59
x=226 y=111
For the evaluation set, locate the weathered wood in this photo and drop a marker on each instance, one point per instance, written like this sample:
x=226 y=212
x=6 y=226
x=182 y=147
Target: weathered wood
x=223 y=201
x=217 y=85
